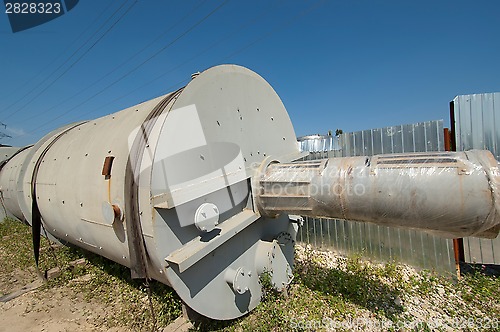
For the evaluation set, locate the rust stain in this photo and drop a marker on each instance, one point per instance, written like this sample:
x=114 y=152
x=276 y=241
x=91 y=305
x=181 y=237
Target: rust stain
x=109 y=190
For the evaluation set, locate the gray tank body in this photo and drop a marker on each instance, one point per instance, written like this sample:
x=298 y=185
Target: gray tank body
x=194 y=189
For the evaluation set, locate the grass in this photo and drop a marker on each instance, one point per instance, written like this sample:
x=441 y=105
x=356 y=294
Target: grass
x=98 y=281
x=328 y=291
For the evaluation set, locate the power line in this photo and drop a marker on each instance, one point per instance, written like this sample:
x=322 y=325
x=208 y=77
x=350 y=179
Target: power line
x=120 y=65
x=168 y=89
x=136 y=67
x=55 y=60
x=280 y=27
x=243 y=26
x=260 y=38
x=235 y=31
x=77 y=60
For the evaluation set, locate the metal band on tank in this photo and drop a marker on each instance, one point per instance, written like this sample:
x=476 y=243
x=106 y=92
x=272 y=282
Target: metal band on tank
x=3 y=163
x=136 y=246
x=36 y=217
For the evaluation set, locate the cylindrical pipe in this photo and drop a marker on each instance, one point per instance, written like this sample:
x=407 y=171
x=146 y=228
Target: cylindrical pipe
x=450 y=194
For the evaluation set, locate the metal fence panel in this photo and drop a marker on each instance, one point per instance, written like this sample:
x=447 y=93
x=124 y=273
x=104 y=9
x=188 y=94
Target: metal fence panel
x=477 y=126
x=378 y=242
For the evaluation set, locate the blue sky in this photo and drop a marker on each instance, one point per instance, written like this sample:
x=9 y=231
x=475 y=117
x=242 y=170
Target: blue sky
x=335 y=64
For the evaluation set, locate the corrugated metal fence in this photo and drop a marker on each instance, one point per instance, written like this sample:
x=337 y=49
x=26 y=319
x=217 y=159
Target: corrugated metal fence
x=477 y=126
x=378 y=242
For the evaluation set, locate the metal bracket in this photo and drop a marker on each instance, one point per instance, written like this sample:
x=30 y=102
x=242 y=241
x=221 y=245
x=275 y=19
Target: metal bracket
x=193 y=251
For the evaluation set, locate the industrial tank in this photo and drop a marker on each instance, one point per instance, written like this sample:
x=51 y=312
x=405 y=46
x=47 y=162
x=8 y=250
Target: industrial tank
x=208 y=215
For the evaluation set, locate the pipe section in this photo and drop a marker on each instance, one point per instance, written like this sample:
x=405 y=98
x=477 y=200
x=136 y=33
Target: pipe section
x=451 y=194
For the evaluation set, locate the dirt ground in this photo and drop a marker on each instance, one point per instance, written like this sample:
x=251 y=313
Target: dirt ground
x=49 y=310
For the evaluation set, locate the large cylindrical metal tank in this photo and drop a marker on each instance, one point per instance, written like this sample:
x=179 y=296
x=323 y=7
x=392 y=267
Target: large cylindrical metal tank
x=166 y=185
x=193 y=189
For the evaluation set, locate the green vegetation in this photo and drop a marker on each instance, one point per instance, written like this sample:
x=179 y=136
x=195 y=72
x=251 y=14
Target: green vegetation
x=98 y=280
x=329 y=291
